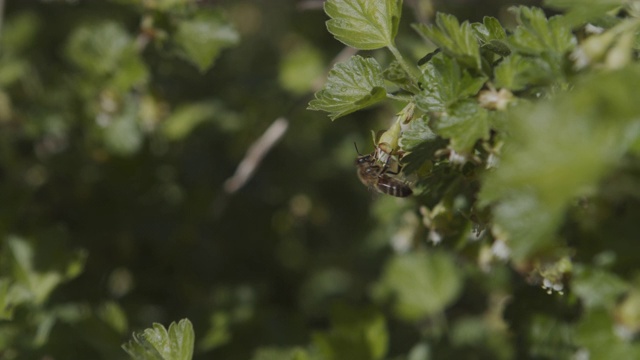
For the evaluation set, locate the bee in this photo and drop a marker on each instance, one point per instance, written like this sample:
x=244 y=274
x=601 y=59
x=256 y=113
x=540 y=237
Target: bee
x=374 y=175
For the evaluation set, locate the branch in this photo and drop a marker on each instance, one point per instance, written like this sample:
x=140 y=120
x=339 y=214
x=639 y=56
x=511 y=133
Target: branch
x=255 y=154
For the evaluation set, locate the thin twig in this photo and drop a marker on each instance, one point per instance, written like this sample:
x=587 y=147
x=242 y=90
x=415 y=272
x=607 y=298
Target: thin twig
x=255 y=154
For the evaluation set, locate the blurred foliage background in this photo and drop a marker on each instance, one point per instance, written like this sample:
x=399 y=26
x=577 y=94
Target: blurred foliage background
x=120 y=122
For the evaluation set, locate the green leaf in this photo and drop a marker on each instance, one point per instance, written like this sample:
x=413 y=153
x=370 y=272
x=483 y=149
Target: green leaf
x=421 y=283
x=158 y=343
x=597 y=287
x=122 y=134
x=492 y=36
x=518 y=72
x=455 y=39
x=559 y=150
x=364 y=24
x=356 y=333
x=99 y=48
x=203 y=37
x=300 y=69
x=465 y=123
x=595 y=334
x=280 y=354
x=536 y=35
x=417 y=133
x=36 y=281
x=580 y=12
x=19 y=31
x=396 y=74
x=351 y=86
x=445 y=83
x=7 y=303
x=114 y=316
x=550 y=338
x=186 y=118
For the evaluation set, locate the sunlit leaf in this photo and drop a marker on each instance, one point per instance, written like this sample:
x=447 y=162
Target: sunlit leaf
x=364 y=24
x=455 y=39
x=444 y=83
x=351 y=86
x=158 y=343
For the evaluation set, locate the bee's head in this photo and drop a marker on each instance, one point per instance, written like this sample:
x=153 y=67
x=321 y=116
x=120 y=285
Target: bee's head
x=362 y=159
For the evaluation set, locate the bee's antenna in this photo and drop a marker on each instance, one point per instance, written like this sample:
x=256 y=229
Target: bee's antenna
x=354 y=144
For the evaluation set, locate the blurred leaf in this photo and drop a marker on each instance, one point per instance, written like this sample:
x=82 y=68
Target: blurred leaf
x=420 y=351
x=550 y=338
x=33 y=277
x=422 y=284
x=351 y=86
x=99 y=48
x=6 y=302
x=455 y=39
x=597 y=287
x=580 y=12
x=158 y=343
x=465 y=123
x=627 y=314
x=356 y=333
x=536 y=35
x=280 y=354
x=364 y=24
x=186 y=118
x=595 y=335
x=113 y=315
x=218 y=333
x=558 y=150
x=203 y=37
x=122 y=134
x=18 y=32
x=161 y=5
x=445 y=83
x=300 y=69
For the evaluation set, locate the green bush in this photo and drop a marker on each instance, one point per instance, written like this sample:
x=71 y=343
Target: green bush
x=122 y=121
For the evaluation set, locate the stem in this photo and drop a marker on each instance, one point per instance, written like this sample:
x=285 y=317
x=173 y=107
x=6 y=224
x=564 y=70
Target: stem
x=411 y=71
x=403 y=98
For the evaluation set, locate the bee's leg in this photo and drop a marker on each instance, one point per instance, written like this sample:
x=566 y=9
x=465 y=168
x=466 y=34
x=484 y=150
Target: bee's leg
x=387 y=169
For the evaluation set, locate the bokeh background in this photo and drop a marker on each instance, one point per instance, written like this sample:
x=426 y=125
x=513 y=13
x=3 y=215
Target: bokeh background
x=115 y=145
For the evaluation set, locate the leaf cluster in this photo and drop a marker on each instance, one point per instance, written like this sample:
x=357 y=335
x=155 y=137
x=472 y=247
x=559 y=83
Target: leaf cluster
x=533 y=119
